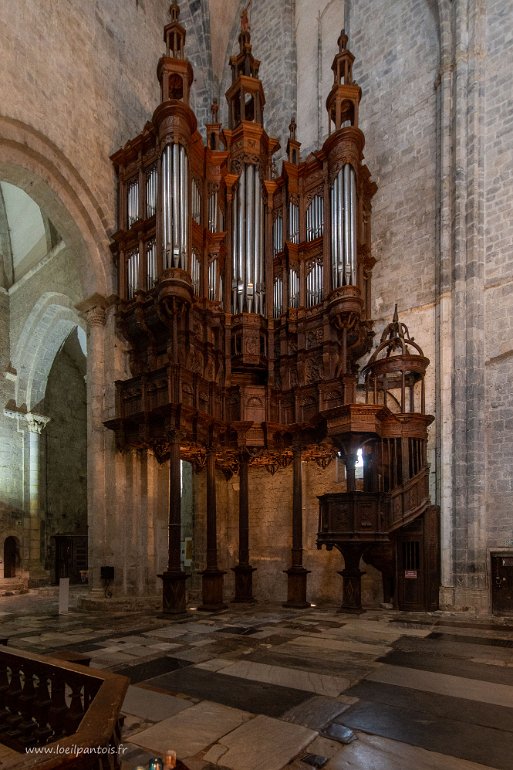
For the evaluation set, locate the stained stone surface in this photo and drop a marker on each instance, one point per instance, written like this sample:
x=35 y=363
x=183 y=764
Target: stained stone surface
x=191 y=730
x=256 y=697
x=315 y=712
x=373 y=753
x=154 y=706
x=261 y=744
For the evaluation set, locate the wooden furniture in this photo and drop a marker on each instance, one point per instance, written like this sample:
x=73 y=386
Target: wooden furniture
x=62 y=706
x=244 y=296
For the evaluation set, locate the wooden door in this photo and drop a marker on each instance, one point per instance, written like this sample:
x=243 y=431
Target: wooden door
x=502 y=584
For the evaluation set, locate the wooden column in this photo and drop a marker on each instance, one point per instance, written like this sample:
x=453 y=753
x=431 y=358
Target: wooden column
x=297 y=574
x=173 y=598
x=351 y=576
x=212 y=576
x=243 y=570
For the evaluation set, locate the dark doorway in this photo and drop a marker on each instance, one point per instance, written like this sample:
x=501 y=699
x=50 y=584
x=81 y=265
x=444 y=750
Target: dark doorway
x=70 y=557
x=502 y=584
x=418 y=563
x=11 y=557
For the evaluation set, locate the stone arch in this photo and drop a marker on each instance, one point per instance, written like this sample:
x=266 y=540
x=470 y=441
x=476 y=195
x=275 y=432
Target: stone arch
x=45 y=330
x=32 y=162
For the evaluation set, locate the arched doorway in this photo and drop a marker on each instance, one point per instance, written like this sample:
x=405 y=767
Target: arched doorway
x=11 y=557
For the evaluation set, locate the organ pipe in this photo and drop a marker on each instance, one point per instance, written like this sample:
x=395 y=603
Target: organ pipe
x=151 y=263
x=196 y=202
x=248 y=287
x=213 y=213
x=277 y=297
x=278 y=235
x=133 y=201
x=293 y=223
x=132 y=264
x=314 y=278
x=175 y=206
x=314 y=218
x=293 y=288
x=343 y=227
x=151 y=191
x=195 y=272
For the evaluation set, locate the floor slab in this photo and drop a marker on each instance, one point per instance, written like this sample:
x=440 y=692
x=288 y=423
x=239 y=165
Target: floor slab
x=288 y=677
x=191 y=731
x=456 y=686
x=151 y=705
x=261 y=744
x=374 y=753
x=256 y=697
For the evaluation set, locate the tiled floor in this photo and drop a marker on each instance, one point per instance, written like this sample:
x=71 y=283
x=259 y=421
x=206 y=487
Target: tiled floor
x=264 y=688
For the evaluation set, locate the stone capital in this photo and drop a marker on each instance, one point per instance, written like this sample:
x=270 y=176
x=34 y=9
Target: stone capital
x=36 y=423
x=94 y=309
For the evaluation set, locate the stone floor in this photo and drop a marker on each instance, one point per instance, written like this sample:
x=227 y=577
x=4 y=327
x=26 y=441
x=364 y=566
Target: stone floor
x=266 y=688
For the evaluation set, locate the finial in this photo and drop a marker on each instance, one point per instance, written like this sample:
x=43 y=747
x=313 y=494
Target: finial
x=396 y=315
x=214 y=109
x=244 y=18
x=293 y=127
x=174 y=11
x=342 y=41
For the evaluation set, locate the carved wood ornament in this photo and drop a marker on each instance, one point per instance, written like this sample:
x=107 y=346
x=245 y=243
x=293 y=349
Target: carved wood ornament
x=244 y=297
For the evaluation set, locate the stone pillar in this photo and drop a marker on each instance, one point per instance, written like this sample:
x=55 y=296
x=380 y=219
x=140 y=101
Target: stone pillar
x=297 y=574
x=467 y=266
x=36 y=423
x=243 y=570
x=94 y=311
x=212 y=577
x=173 y=579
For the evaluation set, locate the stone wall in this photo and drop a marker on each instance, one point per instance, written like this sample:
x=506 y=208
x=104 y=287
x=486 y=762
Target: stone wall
x=497 y=142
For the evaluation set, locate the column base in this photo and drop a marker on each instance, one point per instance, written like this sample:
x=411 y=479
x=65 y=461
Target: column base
x=351 y=591
x=173 y=592
x=244 y=583
x=296 y=587
x=212 y=590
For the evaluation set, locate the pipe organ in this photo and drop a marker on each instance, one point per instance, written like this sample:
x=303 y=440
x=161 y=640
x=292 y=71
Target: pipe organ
x=244 y=295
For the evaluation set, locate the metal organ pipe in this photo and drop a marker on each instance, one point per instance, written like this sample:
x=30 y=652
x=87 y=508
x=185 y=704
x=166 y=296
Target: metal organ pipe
x=343 y=227
x=293 y=223
x=212 y=212
x=132 y=264
x=353 y=226
x=314 y=218
x=250 y=224
x=175 y=206
x=248 y=243
x=184 y=209
x=347 y=224
x=166 y=208
x=151 y=263
x=278 y=293
x=151 y=191
x=278 y=234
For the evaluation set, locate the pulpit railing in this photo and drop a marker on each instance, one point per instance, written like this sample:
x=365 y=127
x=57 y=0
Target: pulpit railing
x=371 y=515
x=56 y=714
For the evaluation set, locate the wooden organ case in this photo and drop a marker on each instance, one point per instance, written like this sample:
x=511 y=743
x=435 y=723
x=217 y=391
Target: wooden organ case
x=244 y=296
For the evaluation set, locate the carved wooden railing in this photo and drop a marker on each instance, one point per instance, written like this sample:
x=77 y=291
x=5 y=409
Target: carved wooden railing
x=67 y=711
x=371 y=515
x=408 y=501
